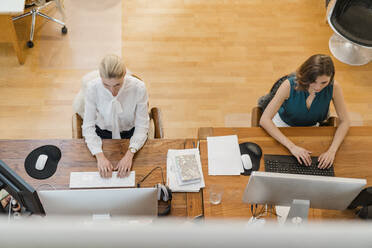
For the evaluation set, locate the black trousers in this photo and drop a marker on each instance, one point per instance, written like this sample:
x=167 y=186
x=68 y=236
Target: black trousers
x=106 y=134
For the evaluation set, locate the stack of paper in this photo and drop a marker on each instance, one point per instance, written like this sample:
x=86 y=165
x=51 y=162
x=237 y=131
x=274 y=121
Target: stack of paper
x=224 y=156
x=184 y=171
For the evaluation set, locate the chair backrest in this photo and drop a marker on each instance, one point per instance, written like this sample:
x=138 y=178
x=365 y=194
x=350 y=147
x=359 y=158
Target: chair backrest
x=263 y=101
x=78 y=104
x=156 y=126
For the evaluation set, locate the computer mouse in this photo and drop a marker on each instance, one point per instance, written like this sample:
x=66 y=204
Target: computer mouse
x=41 y=161
x=255 y=153
x=247 y=162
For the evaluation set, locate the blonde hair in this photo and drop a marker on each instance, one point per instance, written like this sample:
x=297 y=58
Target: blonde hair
x=111 y=66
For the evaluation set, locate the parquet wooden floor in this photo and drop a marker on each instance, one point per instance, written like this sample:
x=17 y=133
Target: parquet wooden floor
x=205 y=64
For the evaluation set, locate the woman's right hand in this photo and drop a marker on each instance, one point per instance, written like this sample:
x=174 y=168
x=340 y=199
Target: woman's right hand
x=104 y=165
x=301 y=154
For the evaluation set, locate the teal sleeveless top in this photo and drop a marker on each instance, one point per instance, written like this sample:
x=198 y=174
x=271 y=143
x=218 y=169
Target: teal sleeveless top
x=294 y=111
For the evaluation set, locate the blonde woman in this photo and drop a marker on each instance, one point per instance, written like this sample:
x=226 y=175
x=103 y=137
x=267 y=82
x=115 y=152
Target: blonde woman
x=116 y=107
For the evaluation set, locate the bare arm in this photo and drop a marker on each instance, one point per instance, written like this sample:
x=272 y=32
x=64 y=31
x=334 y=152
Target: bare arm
x=327 y=158
x=344 y=120
x=266 y=122
x=272 y=108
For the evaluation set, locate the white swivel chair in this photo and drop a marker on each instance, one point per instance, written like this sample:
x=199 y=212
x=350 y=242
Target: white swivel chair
x=351 y=21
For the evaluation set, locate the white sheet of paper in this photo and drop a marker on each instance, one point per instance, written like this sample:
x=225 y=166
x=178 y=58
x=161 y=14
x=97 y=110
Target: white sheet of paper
x=224 y=156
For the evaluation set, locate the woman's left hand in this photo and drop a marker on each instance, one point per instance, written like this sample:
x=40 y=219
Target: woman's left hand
x=326 y=159
x=125 y=164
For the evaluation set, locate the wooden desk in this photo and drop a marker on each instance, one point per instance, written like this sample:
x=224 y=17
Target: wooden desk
x=353 y=160
x=76 y=157
x=9 y=8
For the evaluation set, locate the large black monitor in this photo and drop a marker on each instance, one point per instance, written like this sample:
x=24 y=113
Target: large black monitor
x=20 y=190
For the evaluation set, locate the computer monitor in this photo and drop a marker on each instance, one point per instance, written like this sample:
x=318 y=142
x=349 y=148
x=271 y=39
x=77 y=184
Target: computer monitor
x=302 y=191
x=20 y=190
x=101 y=202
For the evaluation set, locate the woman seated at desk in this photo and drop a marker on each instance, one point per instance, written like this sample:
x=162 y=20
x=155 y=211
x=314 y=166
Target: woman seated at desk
x=115 y=108
x=303 y=100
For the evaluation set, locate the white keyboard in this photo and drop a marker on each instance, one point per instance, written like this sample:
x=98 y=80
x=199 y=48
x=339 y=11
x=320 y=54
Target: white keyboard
x=94 y=180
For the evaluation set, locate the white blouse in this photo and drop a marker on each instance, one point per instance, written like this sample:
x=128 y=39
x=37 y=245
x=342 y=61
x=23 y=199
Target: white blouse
x=121 y=113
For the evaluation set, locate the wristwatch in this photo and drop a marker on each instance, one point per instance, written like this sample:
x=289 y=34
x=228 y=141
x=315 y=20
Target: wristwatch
x=132 y=150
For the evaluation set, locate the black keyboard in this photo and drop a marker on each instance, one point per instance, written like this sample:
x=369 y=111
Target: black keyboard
x=290 y=165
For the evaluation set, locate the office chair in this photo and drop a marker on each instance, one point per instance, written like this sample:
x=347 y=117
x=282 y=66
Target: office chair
x=263 y=101
x=155 y=129
x=36 y=6
x=351 y=22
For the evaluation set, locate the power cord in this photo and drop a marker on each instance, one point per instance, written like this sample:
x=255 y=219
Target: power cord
x=148 y=174
x=263 y=211
x=10 y=207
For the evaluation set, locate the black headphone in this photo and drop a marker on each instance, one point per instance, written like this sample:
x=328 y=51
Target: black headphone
x=164 y=192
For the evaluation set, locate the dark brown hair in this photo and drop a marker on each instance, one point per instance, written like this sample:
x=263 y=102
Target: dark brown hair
x=315 y=66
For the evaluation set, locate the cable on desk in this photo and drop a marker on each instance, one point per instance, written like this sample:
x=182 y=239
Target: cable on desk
x=253 y=209
x=10 y=207
x=263 y=211
x=148 y=174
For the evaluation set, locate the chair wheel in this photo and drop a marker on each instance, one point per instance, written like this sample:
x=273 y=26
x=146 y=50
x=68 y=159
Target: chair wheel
x=64 y=30
x=30 y=44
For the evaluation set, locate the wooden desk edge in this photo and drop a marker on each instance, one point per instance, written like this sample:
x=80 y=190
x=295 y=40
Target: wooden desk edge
x=204 y=132
x=195 y=205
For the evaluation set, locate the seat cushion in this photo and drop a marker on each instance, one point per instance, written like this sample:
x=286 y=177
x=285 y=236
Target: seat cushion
x=353 y=20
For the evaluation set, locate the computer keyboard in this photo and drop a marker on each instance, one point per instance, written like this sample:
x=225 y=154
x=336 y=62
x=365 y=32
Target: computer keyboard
x=94 y=180
x=290 y=165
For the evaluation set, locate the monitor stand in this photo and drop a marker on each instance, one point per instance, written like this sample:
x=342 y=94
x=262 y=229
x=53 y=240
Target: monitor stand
x=298 y=212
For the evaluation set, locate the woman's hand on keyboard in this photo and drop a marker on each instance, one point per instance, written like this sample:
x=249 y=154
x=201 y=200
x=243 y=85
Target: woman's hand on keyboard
x=326 y=159
x=302 y=155
x=104 y=165
x=125 y=164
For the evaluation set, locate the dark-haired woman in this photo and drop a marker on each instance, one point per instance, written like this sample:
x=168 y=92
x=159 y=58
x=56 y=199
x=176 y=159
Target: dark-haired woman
x=303 y=100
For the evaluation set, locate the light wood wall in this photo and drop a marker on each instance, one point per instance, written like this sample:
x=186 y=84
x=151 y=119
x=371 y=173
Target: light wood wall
x=205 y=64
